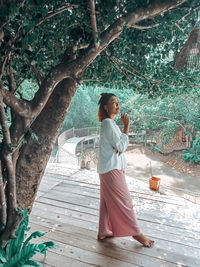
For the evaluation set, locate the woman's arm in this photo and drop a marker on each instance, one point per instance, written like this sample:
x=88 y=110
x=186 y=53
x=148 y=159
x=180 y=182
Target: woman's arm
x=119 y=142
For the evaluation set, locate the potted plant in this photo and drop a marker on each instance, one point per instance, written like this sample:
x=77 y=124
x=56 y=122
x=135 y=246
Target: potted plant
x=91 y=157
x=83 y=160
x=154 y=182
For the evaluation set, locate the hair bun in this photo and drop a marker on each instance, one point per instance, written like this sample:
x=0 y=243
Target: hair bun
x=104 y=97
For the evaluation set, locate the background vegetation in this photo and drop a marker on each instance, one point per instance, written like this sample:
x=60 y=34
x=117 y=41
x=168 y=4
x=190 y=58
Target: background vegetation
x=163 y=115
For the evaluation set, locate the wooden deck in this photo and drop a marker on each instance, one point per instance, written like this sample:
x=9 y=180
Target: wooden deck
x=67 y=208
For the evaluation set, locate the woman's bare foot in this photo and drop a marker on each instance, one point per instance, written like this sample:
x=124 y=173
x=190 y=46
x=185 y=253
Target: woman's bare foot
x=144 y=240
x=101 y=237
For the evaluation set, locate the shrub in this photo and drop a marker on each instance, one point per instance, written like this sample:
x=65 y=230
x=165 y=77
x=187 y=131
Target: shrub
x=19 y=250
x=193 y=155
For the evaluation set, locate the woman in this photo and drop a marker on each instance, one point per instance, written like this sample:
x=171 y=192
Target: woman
x=116 y=218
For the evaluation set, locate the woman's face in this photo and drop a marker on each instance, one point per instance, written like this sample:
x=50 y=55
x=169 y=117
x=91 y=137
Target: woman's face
x=113 y=107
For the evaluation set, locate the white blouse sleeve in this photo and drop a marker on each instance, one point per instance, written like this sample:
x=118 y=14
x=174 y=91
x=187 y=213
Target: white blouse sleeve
x=118 y=141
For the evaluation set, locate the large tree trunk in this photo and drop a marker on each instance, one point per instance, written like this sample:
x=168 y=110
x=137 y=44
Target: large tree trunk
x=35 y=154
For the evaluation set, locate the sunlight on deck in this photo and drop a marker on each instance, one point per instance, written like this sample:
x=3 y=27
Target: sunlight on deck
x=67 y=207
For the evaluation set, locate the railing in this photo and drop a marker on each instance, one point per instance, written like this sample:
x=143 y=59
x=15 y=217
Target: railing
x=82 y=132
x=64 y=136
x=134 y=137
x=86 y=131
x=78 y=133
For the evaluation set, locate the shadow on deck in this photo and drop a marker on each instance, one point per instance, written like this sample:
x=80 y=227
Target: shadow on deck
x=67 y=207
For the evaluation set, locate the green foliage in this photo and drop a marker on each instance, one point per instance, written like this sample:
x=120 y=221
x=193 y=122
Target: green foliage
x=193 y=155
x=84 y=106
x=146 y=58
x=19 y=251
x=165 y=114
x=162 y=115
x=28 y=89
x=156 y=115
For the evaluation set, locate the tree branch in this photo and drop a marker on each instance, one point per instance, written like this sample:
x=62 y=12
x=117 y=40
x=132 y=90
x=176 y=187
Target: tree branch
x=130 y=19
x=181 y=30
x=11 y=80
x=11 y=84
x=90 y=80
x=38 y=76
x=1 y=36
x=164 y=117
x=3 y=117
x=7 y=156
x=156 y=7
x=117 y=61
x=123 y=70
x=19 y=84
x=56 y=75
x=52 y=14
x=21 y=107
x=3 y=206
x=144 y=27
x=77 y=66
x=93 y=23
x=3 y=65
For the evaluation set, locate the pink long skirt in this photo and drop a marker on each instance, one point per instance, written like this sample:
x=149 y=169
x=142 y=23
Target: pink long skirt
x=116 y=214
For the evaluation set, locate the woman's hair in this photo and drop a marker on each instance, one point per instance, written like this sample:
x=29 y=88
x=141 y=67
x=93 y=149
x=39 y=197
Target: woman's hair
x=102 y=113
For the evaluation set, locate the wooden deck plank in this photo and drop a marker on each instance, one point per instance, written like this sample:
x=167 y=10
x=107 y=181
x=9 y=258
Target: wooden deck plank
x=59 y=260
x=67 y=207
x=151 y=229
x=89 y=258
x=169 y=196
x=158 y=231
x=137 y=257
x=85 y=192
x=145 y=212
x=159 y=252
x=87 y=183
x=185 y=249
x=62 y=187
x=159 y=226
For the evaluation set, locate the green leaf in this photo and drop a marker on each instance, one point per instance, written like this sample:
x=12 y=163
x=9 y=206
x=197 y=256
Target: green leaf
x=47 y=245
x=14 y=245
x=23 y=256
x=2 y=255
x=32 y=263
x=34 y=235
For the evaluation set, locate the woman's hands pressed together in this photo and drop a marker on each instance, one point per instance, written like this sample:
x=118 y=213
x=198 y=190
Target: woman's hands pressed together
x=125 y=119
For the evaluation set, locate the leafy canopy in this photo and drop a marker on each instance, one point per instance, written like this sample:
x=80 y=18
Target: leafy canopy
x=38 y=32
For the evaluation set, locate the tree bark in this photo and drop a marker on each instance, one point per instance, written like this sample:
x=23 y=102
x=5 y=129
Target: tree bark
x=35 y=154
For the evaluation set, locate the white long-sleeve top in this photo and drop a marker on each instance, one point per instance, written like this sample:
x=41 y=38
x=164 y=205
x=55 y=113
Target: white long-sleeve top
x=111 y=140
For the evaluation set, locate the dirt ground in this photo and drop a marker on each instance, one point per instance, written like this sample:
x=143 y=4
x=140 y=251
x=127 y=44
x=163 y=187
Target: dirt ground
x=173 y=160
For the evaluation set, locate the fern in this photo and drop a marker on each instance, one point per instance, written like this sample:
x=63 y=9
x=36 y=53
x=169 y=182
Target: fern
x=34 y=235
x=14 y=245
x=21 y=258
x=19 y=251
